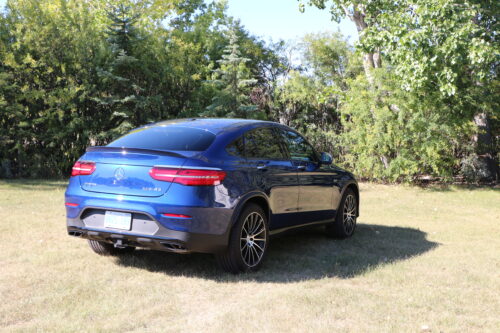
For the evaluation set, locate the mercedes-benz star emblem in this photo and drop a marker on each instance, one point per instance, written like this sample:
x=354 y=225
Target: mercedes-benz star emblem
x=119 y=174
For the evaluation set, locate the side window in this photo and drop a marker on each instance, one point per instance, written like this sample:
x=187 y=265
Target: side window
x=263 y=143
x=298 y=147
x=236 y=148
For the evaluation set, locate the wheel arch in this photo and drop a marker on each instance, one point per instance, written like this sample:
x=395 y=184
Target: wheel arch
x=257 y=198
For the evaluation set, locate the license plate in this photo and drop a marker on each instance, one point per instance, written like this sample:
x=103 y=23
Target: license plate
x=117 y=220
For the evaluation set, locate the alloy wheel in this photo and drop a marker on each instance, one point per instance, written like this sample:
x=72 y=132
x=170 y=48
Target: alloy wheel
x=253 y=239
x=349 y=214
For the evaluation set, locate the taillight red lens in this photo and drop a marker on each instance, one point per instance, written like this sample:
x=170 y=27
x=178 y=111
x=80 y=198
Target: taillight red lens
x=179 y=216
x=163 y=174
x=190 y=177
x=82 y=168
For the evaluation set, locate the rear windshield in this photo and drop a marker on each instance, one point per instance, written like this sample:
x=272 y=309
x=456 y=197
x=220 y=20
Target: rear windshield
x=166 y=138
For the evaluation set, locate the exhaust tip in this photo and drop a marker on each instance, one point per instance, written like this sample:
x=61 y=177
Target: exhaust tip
x=174 y=247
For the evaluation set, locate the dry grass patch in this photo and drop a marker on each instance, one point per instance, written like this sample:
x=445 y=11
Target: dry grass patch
x=420 y=257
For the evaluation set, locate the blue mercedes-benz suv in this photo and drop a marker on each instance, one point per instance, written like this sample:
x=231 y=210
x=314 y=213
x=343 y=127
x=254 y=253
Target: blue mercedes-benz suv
x=220 y=186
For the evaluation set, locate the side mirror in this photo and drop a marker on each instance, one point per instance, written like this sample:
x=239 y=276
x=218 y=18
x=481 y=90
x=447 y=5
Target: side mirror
x=326 y=158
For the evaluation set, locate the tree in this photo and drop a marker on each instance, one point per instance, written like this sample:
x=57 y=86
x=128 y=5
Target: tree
x=310 y=97
x=448 y=46
x=120 y=91
x=78 y=73
x=331 y=58
x=45 y=56
x=363 y=13
x=392 y=135
x=451 y=47
x=234 y=81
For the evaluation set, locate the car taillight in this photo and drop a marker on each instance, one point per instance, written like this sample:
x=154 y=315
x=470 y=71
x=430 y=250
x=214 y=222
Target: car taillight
x=190 y=177
x=82 y=168
x=176 y=216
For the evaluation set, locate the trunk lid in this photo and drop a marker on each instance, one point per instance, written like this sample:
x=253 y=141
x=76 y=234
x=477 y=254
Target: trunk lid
x=126 y=171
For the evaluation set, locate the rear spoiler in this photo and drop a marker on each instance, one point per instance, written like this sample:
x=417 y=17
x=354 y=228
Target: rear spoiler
x=125 y=150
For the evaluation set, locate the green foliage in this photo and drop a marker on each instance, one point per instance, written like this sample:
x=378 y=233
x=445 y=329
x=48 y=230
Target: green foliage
x=78 y=73
x=436 y=45
x=121 y=91
x=335 y=6
x=310 y=99
x=379 y=130
x=235 y=82
x=45 y=57
x=450 y=47
x=389 y=134
x=443 y=53
x=331 y=58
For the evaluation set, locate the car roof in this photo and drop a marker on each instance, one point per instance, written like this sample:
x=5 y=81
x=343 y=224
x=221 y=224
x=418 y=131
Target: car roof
x=214 y=125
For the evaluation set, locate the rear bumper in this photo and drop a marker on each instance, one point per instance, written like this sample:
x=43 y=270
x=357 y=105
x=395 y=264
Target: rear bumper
x=163 y=240
x=205 y=231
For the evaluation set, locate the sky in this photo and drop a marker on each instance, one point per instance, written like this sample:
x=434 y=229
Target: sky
x=281 y=19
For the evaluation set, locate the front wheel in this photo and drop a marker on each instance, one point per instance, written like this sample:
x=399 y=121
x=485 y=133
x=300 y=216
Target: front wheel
x=248 y=242
x=345 y=221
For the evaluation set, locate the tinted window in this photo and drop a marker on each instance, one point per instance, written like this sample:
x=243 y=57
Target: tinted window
x=298 y=147
x=236 y=148
x=262 y=143
x=166 y=138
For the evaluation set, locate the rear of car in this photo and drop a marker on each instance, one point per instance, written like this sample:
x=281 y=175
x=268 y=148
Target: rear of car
x=219 y=186
x=150 y=188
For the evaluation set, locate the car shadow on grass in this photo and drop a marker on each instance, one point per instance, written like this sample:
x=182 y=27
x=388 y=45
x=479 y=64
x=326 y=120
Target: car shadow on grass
x=304 y=255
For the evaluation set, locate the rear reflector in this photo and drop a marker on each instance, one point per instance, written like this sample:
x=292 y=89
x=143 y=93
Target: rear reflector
x=190 y=177
x=82 y=168
x=178 y=216
x=70 y=204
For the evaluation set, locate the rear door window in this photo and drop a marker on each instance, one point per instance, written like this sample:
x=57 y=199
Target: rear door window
x=262 y=143
x=166 y=138
x=236 y=148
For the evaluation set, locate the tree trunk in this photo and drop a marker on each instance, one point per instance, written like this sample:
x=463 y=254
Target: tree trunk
x=485 y=148
x=370 y=60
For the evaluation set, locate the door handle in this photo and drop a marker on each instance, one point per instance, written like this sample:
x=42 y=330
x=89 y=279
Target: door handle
x=301 y=167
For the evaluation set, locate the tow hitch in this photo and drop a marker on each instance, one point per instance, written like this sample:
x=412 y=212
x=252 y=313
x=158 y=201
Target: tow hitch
x=119 y=244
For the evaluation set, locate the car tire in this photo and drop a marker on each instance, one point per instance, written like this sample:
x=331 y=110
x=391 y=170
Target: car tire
x=248 y=242
x=344 y=224
x=108 y=249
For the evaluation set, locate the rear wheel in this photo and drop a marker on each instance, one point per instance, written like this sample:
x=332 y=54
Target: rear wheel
x=345 y=221
x=248 y=242
x=107 y=249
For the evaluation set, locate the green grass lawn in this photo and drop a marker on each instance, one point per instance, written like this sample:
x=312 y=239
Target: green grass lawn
x=420 y=258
